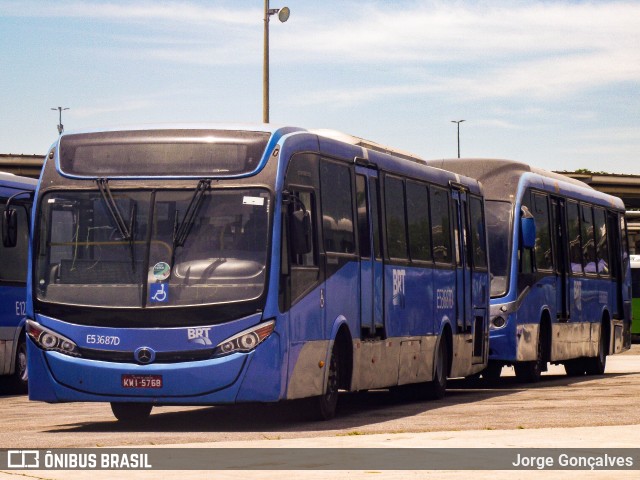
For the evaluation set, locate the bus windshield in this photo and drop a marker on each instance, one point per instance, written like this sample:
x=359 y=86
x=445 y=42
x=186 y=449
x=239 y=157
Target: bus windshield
x=499 y=220
x=123 y=250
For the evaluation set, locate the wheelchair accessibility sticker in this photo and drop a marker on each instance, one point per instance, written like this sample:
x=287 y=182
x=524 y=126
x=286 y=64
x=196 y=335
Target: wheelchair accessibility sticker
x=159 y=292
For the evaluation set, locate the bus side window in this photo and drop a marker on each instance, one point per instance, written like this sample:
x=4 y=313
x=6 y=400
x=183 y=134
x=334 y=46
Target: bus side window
x=305 y=273
x=307 y=200
x=588 y=240
x=478 y=242
x=418 y=216
x=395 y=218
x=543 y=252
x=363 y=216
x=337 y=208
x=14 y=260
x=526 y=254
x=440 y=225
x=602 y=242
x=573 y=229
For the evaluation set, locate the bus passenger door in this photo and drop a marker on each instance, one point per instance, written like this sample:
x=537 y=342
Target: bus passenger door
x=464 y=309
x=558 y=236
x=371 y=268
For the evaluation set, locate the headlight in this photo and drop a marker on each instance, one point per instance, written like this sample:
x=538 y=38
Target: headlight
x=245 y=341
x=50 y=340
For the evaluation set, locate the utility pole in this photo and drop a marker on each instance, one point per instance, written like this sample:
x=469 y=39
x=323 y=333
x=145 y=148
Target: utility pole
x=458 y=122
x=283 y=16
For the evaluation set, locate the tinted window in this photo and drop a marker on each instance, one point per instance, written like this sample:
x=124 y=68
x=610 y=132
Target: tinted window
x=478 y=242
x=14 y=260
x=418 y=216
x=602 y=242
x=396 y=222
x=499 y=220
x=544 y=258
x=573 y=230
x=440 y=225
x=588 y=240
x=337 y=215
x=363 y=216
x=306 y=199
x=375 y=217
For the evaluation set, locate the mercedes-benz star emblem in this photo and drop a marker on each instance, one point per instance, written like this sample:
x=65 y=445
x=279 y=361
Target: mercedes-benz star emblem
x=144 y=355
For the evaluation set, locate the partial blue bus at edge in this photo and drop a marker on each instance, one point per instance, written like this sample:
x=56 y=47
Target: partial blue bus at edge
x=18 y=192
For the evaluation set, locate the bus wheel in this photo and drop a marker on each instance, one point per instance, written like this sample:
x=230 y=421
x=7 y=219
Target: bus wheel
x=596 y=365
x=131 y=413
x=436 y=388
x=575 y=367
x=326 y=404
x=20 y=378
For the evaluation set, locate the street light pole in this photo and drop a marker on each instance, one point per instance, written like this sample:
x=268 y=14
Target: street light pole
x=458 y=122
x=60 y=126
x=283 y=16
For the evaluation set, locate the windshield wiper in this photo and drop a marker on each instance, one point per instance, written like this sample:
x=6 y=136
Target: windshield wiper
x=126 y=231
x=181 y=231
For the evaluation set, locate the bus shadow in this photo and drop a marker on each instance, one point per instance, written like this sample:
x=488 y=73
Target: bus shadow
x=355 y=410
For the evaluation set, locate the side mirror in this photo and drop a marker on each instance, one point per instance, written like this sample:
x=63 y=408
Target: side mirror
x=10 y=228
x=300 y=232
x=527 y=229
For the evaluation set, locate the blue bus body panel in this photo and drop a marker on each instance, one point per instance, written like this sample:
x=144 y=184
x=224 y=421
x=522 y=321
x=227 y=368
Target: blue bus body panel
x=237 y=377
x=184 y=379
x=12 y=306
x=409 y=299
x=341 y=299
x=158 y=339
x=217 y=380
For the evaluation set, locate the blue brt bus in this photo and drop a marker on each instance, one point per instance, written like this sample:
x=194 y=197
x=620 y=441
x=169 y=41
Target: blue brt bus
x=560 y=276
x=215 y=265
x=16 y=195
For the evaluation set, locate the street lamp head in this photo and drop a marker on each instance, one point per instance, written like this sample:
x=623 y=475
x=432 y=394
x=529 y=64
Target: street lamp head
x=283 y=14
x=457 y=121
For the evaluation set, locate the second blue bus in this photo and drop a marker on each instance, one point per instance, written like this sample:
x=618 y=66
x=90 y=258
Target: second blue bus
x=560 y=274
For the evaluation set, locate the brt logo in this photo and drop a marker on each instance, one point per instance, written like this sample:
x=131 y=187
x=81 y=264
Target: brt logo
x=199 y=335
x=398 y=287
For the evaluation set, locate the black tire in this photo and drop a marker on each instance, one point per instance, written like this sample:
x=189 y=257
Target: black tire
x=131 y=413
x=19 y=381
x=323 y=407
x=597 y=365
x=436 y=388
x=575 y=367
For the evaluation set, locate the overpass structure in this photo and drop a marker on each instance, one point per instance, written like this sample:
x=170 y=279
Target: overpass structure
x=24 y=165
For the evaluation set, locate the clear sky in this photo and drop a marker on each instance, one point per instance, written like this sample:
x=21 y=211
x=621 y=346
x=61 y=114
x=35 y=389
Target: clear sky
x=552 y=83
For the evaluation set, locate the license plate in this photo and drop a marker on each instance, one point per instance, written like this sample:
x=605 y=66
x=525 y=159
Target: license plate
x=142 y=381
